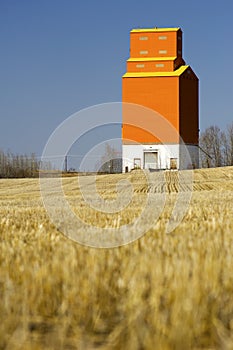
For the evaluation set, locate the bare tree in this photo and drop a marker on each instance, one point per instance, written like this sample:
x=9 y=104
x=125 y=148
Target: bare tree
x=229 y=137
x=15 y=165
x=211 y=144
x=225 y=148
x=110 y=162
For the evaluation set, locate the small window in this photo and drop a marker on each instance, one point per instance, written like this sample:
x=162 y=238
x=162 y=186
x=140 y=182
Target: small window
x=143 y=52
x=143 y=38
x=162 y=37
x=140 y=65
x=162 y=51
x=179 y=37
x=179 y=52
x=159 y=65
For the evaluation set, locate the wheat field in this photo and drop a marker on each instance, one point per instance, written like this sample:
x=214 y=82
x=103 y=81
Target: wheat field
x=160 y=292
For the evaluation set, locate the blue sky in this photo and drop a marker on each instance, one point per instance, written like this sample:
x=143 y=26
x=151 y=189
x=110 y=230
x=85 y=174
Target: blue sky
x=58 y=57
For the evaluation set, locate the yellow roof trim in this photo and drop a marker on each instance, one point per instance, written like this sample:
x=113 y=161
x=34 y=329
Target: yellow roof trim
x=139 y=59
x=159 y=30
x=175 y=73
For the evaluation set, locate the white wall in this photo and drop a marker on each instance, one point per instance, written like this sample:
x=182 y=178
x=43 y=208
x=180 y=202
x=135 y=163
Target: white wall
x=187 y=155
x=165 y=152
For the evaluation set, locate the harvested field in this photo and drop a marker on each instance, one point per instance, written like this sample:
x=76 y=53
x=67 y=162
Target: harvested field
x=161 y=292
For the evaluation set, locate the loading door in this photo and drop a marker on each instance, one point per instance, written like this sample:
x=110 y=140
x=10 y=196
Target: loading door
x=151 y=160
x=173 y=163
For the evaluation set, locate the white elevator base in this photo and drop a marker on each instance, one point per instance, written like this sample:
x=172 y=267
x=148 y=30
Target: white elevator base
x=159 y=156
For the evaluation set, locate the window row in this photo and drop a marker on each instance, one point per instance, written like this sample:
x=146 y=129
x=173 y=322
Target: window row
x=162 y=52
x=161 y=37
x=145 y=52
x=158 y=65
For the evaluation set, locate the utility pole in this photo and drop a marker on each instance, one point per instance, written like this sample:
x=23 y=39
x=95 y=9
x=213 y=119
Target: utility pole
x=66 y=164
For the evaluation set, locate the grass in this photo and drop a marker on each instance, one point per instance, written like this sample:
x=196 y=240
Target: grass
x=162 y=292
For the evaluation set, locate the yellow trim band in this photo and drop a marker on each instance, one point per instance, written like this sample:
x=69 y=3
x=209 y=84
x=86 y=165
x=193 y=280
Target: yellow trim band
x=175 y=73
x=151 y=30
x=139 y=59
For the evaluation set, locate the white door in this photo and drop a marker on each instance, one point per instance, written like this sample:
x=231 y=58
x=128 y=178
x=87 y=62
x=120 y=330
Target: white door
x=151 y=160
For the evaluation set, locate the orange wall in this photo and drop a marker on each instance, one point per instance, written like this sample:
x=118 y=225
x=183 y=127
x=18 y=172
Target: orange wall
x=129 y=133
x=158 y=93
x=150 y=66
x=173 y=97
x=178 y=62
x=189 y=123
x=153 y=45
x=179 y=44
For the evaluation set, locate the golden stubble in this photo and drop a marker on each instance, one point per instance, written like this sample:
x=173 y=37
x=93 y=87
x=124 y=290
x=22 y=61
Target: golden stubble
x=164 y=291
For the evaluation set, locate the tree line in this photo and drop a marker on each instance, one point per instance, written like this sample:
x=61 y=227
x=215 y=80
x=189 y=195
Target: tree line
x=216 y=147
x=216 y=150
x=19 y=166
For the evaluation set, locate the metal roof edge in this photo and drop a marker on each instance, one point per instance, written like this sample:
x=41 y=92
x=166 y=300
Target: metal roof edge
x=176 y=73
x=155 y=29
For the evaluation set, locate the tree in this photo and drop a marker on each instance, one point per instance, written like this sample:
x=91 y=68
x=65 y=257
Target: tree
x=111 y=161
x=229 y=138
x=217 y=146
x=15 y=165
x=211 y=144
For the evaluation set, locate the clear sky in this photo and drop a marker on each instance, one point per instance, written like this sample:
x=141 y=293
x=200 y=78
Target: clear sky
x=59 y=56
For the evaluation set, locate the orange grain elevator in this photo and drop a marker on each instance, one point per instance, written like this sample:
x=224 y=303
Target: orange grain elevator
x=158 y=79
